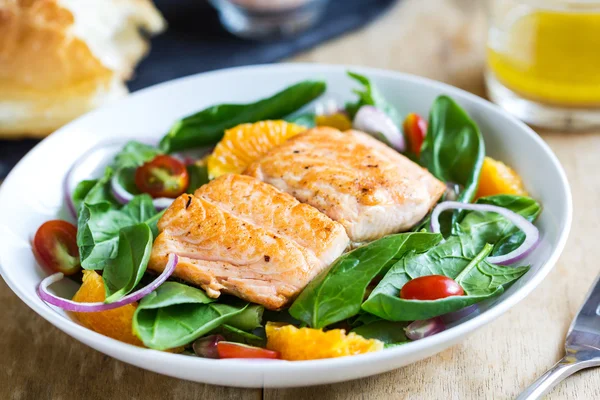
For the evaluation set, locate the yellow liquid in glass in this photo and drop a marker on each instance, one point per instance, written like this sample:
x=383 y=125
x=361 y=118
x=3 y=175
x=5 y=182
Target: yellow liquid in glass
x=550 y=56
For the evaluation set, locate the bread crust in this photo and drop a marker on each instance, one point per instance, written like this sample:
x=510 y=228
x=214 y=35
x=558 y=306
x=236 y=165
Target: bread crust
x=50 y=75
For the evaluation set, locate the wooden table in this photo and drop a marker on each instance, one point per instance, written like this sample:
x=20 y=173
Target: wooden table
x=440 y=39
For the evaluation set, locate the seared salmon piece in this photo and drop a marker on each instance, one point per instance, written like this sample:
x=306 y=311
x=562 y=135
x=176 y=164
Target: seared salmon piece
x=241 y=236
x=355 y=179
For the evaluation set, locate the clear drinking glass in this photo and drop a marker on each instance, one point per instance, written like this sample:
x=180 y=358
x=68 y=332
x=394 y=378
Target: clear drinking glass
x=543 y=61
x=268 y=19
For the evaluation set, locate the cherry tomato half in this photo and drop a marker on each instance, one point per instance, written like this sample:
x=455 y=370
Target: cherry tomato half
x=431 y=287
x=415 y=129
x=55 y=246
x=164 y=176
x=238 y=350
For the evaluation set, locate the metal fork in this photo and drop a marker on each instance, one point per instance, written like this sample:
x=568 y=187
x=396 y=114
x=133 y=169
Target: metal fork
x=582 y=347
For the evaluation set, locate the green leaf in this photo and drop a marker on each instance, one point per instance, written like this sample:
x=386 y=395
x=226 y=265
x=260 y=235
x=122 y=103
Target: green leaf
x=99 y=226
x=135 y=154
x=488 y=276
x=207 y=127
x=393 y=308
x=249 y=319
x=453 y=150
x=488 y=227
x=176 y=314
x=371 y=96
x=81 y=190
x=337 y=294
x=95 y=192
x=387 y=332
x=198 y=176
x=126 y=178
x=479 y=279
x=125 y=271
x=305 y=119
x=234 y=334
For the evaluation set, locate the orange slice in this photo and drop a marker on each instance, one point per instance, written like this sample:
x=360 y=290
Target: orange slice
x=498 y=178
x=312 y=344
x=336 y=120
x=112 y=323
x=246 y=143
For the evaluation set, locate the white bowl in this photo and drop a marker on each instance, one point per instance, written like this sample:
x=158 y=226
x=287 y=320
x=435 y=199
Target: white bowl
x=32 y=194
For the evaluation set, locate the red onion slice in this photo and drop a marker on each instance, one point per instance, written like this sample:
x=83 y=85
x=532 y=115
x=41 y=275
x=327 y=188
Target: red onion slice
x=70 y=305
x=532 y=234
x=375 y=122
x=421 y=329
x=124 y=197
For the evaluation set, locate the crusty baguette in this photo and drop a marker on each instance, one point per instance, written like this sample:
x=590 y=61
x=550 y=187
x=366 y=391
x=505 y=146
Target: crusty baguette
x=62 y=58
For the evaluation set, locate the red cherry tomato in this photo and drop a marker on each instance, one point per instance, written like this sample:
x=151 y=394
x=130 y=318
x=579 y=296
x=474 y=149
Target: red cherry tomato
x=238 y=350
x=164 y=176
x=431 y=287
x=55 y=246
x=415 y=129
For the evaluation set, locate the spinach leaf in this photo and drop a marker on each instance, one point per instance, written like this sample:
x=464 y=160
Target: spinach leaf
x=234 y=334
x=371 y=96
x=388 y=332
x=249 y=319
x=207 y=126
x=305 y=119
x=337 y=294
x=488 y=227
x=393 y=308
x=135 y=154
x=99 y=225
x=126 y=178
x=479 y=279
x=95 y=191
x=125 y=271
x=453 y=149
x=176 y=314
x=81 y=190
x=198 y=176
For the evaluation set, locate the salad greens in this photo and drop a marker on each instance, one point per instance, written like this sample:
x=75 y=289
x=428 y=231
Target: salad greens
x=338 y=293
x=370 y=96
x=479 y=279
x=176 y=314
x=99 y=225
x=389 y=332
x=453 y=150
x=125 y=271
x=360 y=289
x=493 y=228
x=206 y=128
x=135 y=154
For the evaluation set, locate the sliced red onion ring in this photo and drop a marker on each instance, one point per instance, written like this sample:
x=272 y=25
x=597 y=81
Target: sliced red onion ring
x=375 y=122
x=532 y=234
x=460 y=314
x=421 y=329
x=70 y=305
x=124 y=197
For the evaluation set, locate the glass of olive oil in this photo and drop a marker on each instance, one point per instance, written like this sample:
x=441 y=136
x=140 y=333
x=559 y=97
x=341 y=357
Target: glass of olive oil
x=543 y=61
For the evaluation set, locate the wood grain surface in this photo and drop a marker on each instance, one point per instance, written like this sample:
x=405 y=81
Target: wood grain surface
x=440 y=39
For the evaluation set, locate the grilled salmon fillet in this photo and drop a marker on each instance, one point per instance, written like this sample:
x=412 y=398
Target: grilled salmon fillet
x=356 y=180
x=241 y=236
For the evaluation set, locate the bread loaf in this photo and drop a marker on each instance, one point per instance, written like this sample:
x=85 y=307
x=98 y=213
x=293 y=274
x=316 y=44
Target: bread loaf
x=62 y=58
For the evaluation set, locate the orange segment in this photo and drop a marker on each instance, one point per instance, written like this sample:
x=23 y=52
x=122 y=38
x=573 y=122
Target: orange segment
x=498 y=178
x=311 y=344
x=337 y=120
x=112 y=323
x=246 y=143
